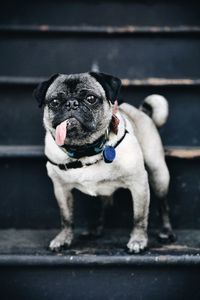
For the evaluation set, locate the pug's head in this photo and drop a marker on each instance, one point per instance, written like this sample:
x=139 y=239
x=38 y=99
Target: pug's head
x=78 y=107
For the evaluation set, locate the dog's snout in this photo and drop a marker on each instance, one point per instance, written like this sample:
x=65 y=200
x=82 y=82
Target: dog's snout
x=72 y=104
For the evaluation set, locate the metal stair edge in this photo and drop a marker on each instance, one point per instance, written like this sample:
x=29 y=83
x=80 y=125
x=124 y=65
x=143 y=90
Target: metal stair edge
x=99 y=260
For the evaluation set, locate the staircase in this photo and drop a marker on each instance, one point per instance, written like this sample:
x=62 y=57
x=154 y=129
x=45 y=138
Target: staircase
x=154 y=47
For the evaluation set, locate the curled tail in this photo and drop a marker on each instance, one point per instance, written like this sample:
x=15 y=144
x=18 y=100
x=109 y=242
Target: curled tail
x=156 y=106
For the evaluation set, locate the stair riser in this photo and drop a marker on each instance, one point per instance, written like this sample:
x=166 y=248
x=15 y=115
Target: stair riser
x=101 y=12
x=27 y=199
x=21 y=119
x=126 y=57
x=99 y=283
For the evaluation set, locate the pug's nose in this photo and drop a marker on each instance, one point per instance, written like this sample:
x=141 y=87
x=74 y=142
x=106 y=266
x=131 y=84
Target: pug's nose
x=72 y=104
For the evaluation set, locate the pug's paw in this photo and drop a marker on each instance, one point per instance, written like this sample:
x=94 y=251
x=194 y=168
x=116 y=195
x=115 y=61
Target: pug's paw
x=167 y=236
x=137 y=244
x=64 y=238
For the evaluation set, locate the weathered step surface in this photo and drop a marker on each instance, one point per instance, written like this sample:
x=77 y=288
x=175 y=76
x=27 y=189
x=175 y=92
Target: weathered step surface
x=21 y=119
x=94 y=269
x=27 y=198
x=35 y=242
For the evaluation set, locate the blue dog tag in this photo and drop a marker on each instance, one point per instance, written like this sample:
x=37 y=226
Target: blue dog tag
x=109 y=154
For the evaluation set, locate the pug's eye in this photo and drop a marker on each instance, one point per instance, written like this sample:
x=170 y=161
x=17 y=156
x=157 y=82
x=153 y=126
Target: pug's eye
x=54 y=103
x=91 y=99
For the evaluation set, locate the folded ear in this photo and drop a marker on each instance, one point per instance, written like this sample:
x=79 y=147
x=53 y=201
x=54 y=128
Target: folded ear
x=110 y=84
x=40 y=92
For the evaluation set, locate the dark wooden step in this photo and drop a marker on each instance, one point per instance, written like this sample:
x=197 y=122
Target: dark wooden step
x=32 y=151
x=30 y=242
x=126 y=82
x=132 y=30
x=93 y=270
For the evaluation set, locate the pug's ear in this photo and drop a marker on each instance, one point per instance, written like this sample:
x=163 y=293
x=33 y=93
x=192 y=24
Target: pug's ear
x=40 y=92
x=110 y=84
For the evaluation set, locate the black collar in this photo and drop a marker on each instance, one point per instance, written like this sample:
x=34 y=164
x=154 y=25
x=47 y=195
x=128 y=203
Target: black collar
x=78 y=164
x=88 y=149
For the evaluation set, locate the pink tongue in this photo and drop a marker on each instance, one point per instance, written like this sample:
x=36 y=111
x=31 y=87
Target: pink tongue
x=61 y=132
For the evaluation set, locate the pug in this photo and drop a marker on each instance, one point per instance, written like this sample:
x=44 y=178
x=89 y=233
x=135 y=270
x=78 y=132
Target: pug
x=96 y=146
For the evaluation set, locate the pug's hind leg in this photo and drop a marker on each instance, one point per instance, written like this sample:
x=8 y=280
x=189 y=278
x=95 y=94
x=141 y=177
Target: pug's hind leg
x=141 y=197
x=65 y=202
x=166 y=234
x=159 y=179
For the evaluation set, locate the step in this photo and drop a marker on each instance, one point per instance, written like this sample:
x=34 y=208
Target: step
x=131 y=30
x=18 y=105
x=27 y=198
x=97 y=269
x=96 y=13
x=124 y=55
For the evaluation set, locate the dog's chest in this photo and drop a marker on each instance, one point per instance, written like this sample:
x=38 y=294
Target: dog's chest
x=104 y=188
x=93 y=180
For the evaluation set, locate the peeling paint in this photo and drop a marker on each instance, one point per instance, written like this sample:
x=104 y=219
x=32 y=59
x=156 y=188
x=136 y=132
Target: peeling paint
x=160 y=82
x=183 y=152
x=126 y=82
x=44 y=27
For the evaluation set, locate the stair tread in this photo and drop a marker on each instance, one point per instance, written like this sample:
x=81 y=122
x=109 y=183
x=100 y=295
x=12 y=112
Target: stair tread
x=105 y=29
x=31 y=247
x=185 y=152
x=151 y=81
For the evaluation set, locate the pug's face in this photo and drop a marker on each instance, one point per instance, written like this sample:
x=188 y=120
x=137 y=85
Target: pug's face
x=81 y=102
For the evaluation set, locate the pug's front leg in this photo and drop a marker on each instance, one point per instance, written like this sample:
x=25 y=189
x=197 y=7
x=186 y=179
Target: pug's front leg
x=65 y=202
x=141 y=197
